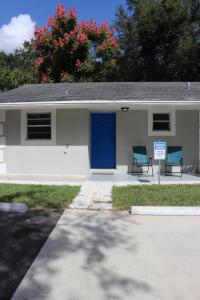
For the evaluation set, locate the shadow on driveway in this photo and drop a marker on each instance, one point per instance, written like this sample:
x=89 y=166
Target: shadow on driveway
x=80 y=261
x=21 y=237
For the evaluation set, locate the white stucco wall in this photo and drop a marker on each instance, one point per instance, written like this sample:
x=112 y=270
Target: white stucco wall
x=72 y=128
x=132 y=130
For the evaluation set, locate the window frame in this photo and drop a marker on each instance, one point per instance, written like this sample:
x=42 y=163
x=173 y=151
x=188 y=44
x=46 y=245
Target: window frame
x=24 y=127
x=172 y=122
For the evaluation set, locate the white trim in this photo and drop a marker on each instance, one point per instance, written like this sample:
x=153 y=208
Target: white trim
x=68 y=103
x=1 y=155
x=172 y=114
x=3 y=168
x=27 y=142
x=2 y=142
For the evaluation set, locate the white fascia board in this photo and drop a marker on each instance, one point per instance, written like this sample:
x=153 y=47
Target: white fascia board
x=57 y=104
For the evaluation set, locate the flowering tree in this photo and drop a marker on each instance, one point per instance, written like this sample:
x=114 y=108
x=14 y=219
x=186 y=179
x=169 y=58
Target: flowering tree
x=70 y=51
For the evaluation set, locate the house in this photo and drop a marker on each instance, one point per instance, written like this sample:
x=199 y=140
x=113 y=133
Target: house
x=71 y=128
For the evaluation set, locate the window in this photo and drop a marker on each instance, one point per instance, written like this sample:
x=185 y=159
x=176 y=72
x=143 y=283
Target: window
x=161 y=122
x=39 y=126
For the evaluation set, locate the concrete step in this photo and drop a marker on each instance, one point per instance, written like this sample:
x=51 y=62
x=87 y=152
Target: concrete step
x=102 y=200
x=101 y=206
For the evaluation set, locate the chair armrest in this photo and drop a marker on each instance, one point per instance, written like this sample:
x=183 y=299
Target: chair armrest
x=150 y=160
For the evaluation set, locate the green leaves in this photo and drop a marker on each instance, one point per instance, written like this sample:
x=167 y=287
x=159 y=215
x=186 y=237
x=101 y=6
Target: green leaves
x=17 y=68
x=159 y=40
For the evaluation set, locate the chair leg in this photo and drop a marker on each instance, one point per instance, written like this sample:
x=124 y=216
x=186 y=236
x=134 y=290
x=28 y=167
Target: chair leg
x=133 y=169
x=181 y=170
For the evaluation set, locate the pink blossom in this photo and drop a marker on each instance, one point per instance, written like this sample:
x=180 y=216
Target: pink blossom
x=93 y=27
x=38 y=62
x=44 y=77
x=72 y=14
x=73 y=34
x=60 y=11
x=102 y=47
x=55 y=43
x=40 y=30
x=78 y=64
x=104 y=26
x=113 y=42
x=82 y=25
x=52 y=23
x=82 y=38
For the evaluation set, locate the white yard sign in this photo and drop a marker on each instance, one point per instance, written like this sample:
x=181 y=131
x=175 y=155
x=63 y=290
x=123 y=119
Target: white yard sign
x=159 y=154
x=159 y=150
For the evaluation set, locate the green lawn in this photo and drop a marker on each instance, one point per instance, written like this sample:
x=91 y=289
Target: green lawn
x=38 y=196
x=163 y=195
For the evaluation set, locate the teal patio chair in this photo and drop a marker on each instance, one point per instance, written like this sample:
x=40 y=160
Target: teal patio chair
x=174 y=158
x=141 y=159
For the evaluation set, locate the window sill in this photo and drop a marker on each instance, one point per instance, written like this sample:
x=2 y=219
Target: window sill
x=161 y=133
x=38 y=142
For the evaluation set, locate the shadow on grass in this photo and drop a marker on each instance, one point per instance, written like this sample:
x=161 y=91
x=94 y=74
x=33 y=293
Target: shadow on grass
x=38 y=195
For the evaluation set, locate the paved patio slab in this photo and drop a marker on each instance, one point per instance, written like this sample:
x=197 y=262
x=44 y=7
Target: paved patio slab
x=130 y=179
x=115 y=256
x=116 y=179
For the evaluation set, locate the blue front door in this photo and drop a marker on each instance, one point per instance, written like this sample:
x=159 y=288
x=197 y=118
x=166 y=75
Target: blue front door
x=103 y=140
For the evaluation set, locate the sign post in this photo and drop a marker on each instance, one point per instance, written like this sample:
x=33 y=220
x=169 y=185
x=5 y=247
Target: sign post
x=159 y=154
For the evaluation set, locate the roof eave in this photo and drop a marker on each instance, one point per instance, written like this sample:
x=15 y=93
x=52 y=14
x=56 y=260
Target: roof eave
x=90 y=103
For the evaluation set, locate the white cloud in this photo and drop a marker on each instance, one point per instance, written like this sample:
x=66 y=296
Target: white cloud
x=13 y=35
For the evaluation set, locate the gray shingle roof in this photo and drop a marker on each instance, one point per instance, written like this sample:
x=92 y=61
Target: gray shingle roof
x=136 y=91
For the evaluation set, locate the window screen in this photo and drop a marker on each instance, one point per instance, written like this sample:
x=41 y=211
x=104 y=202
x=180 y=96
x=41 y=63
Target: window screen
x=39 y=126
x=161 y=122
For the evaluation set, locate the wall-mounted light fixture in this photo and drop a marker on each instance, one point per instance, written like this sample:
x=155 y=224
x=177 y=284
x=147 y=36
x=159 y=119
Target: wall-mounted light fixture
x=124 y=109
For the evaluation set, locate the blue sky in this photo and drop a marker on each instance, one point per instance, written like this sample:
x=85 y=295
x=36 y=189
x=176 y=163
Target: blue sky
x=19 y=17
x=39 y=10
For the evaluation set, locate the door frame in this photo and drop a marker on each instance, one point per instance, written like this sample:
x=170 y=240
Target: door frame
x=115 y=132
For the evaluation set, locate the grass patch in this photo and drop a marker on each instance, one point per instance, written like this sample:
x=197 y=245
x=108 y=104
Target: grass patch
x=154 y=195
x=38 y=196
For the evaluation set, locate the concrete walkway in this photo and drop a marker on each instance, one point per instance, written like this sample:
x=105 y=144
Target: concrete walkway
x=94 y=195
x=94 y=255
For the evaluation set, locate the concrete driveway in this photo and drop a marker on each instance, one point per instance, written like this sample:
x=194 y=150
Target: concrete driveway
x=113 y=256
